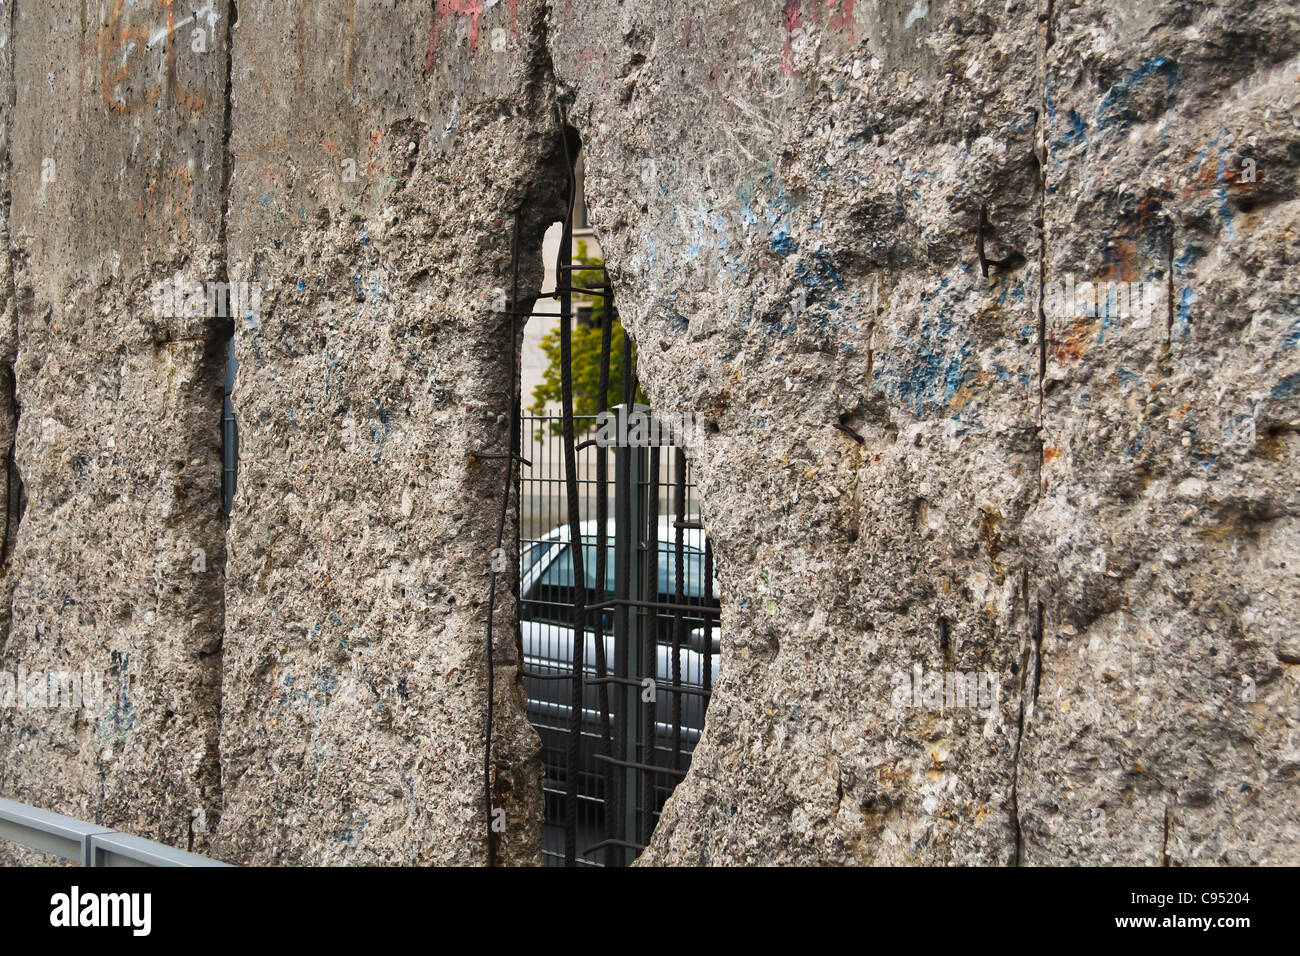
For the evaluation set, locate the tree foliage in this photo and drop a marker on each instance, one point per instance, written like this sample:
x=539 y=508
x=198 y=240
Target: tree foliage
x=585 y=342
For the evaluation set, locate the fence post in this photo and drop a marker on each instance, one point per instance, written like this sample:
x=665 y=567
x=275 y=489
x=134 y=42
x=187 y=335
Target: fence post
x=629 y=474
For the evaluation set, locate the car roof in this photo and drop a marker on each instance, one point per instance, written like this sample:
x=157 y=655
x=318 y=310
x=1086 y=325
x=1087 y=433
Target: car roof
x=691 y=537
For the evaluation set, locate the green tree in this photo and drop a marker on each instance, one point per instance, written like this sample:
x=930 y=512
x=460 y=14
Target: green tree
x=585 y=344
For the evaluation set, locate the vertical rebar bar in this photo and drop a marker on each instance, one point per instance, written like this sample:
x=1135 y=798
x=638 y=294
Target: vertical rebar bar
x=229 y=434
x=707 y=677
x=602 y=489
x=625 y=656
x=679 y=592
x=579 y=640
x=649 y=645
x=501 y=527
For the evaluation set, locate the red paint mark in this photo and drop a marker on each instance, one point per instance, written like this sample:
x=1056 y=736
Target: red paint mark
x=844 y=19
x=1077 y=340
x=686 y=32
x=168 y=198
x=840 y=20
x=798 y=15
x=590 y=54
x=472 y=9
x=790 y=22
x=514 y=18
x=375 y=136
x=433 y=41
x=450 y=10
x=1123 y=259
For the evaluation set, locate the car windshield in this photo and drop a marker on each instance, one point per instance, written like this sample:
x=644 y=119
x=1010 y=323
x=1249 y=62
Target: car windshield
x=692 y=571
x=532 y=554
x=560 y=571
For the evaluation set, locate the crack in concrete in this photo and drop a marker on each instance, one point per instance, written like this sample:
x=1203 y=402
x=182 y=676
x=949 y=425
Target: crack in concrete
x=227 y=165
x=1164 y=840
x=1032 y=654
x=13 y=489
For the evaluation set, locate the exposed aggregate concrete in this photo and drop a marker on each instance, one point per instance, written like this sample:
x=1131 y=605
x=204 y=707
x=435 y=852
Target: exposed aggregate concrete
x=908 y=464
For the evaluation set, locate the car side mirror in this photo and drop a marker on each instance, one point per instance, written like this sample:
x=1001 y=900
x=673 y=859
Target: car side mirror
x=695 y=640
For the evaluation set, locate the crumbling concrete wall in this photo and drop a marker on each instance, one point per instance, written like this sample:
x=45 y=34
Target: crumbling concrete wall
x=1164 y=536
x=116 y=145
x=842 y=233
x=1094 y=509
x=803 y=274
x=10 y=494
x=375 y=189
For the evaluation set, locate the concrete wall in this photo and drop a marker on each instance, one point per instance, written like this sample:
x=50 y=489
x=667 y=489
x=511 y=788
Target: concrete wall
x=115 y=147
x=910 y=467
x=354 y=713
x=1094 y=508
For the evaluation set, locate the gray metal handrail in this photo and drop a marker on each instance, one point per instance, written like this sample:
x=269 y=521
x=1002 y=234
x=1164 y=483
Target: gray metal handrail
x=87 y=843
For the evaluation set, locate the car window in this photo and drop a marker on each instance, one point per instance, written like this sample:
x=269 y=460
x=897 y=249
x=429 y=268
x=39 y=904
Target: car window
x=692 y=572
x=532 y=554
x=560 y=572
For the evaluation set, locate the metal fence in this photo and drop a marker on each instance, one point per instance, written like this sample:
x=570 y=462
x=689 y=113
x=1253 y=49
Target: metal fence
x=648 y=660
x=87 y=843
x=619 y=633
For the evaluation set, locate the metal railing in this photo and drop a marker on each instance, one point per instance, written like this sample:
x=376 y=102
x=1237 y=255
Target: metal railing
x=623 y=780
x=611 y=755
x=619 y=721
x=87 y=843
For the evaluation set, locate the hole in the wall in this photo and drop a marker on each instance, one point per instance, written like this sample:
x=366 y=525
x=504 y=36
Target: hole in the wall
x=229 y=433
x=656 y=602
x=16 y=490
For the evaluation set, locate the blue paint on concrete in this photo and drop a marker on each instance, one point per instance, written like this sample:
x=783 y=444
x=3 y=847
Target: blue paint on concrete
x=1286 y=387
x=1113 y=108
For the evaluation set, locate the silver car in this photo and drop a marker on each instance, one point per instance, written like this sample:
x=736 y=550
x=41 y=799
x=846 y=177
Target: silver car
x=545 y=619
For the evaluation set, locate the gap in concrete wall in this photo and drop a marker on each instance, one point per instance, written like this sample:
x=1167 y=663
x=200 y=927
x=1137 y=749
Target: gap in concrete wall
x=229 y=433
x=512 y=748
x=15 y=499
x=546 y=571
